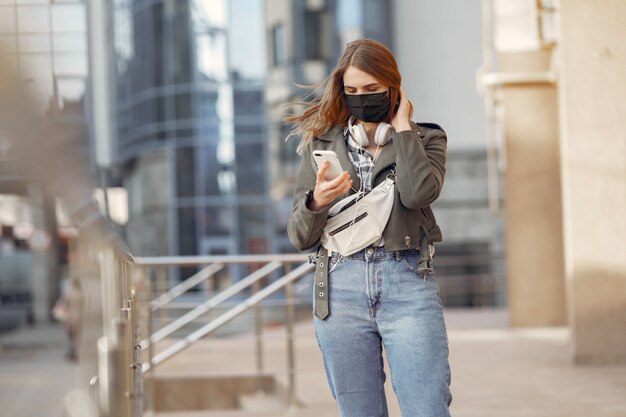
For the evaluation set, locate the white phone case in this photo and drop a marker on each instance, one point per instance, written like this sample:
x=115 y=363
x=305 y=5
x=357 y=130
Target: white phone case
x=334 y=170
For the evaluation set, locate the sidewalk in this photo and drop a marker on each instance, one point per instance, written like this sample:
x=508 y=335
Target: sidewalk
x=34 y=375
x=526 y=373
x=496 y=371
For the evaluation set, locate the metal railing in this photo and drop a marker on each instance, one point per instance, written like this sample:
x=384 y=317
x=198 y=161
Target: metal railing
x=262 y=265
x=120 y=306
x=109 y=354
x=119 y=353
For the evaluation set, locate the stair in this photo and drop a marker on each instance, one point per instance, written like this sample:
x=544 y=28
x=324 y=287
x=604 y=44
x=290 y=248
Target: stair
x=320 y=411
x=269 y=403
x=210 y=392
x=217 y=377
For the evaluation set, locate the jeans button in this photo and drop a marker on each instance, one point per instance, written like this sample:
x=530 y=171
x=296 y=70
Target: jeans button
x=370 y=251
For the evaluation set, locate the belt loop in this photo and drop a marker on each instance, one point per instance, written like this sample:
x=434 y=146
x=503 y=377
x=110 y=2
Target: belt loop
x=398 y=257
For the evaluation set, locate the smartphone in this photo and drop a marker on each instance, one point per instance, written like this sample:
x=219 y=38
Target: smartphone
x=334 y=169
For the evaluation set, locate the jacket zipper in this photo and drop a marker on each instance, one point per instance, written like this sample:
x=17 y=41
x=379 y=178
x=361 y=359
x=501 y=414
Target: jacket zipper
x=407 y=238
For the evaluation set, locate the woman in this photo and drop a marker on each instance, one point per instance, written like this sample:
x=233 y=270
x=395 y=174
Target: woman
x=386 y=294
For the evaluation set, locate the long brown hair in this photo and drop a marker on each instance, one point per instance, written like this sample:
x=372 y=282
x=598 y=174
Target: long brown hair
x=329 y=110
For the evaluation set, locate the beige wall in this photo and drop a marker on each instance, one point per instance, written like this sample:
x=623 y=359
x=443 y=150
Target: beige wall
x=593 y=142
x=536 y=289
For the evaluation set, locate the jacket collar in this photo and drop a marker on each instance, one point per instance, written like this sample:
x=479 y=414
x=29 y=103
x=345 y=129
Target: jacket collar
x=335 y=131
x=331 y=134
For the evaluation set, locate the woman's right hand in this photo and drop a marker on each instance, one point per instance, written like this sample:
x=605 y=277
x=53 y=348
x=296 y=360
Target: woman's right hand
x=326 y=192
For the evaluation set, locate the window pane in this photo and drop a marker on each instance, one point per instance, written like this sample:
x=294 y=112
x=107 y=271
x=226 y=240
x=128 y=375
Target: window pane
x=70 y=63
x=312 y=37
x=64 y=42
x=278 y=45
x=248 y=101
x=211 y=53
x=68 y=18
x=38 y=67
x=218 y=221
x=34 y=43
x=10 y=60
x=33 y=65
x=253 y=225
x=70 y=90
x=251 y=169
x=8 y=43
x=7 y=20
x=185 y=178
x=33 y=19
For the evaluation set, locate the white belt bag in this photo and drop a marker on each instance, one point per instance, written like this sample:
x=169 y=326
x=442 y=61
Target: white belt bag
x=357 y=221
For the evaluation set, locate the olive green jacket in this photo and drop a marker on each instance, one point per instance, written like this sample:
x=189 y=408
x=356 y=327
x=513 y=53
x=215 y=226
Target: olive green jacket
x=419 y=158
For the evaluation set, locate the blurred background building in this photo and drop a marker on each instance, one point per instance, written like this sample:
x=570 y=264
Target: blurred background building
x=46 y=43
x=200 y=163
x=191 y=146
x=197 y=88
x=192 y=95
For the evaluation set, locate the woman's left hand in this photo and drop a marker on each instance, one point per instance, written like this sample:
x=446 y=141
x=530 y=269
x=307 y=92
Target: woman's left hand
x=400 y=121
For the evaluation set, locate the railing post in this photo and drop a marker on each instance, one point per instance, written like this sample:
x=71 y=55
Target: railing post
x=135 y=306
x=258 y=337
x=209 y=286
x=161 y=286
x=291 y=362
x=104 y=376
x=110 y=291
x=150 y=330
x=124 y=354
x=114 y=372
x=93 y=391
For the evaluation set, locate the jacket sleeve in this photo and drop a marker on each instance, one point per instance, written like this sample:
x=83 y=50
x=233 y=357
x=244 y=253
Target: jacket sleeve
x=420 y=165
x=305 y=226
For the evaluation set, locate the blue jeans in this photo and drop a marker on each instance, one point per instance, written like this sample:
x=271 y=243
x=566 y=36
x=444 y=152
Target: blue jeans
x=378 y=300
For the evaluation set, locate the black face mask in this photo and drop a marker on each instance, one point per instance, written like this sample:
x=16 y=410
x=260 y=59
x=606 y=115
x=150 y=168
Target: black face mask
x=371 y=108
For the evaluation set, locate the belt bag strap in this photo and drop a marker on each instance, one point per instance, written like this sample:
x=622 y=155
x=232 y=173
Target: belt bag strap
x=357 y=221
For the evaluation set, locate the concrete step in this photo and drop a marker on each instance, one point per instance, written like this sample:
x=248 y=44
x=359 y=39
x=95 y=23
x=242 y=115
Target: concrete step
x=270 y=403
x=318 y=411
x=211 y=392
x=236 y=355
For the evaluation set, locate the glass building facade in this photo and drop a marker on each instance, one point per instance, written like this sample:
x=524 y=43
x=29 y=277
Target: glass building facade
x=191 y=128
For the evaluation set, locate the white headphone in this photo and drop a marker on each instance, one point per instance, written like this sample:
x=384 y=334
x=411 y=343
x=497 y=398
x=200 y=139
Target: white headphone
x=357 y=132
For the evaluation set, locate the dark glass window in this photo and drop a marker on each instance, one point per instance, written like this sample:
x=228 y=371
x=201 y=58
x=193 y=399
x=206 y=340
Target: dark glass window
x=252 y=220
x=219 y=179
x=289 y=159
x=251 y=169
x=248 y=102
x=187 y=230
x=218 y=221
x=313 y=34
x=279 y=47
x=185 y=175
